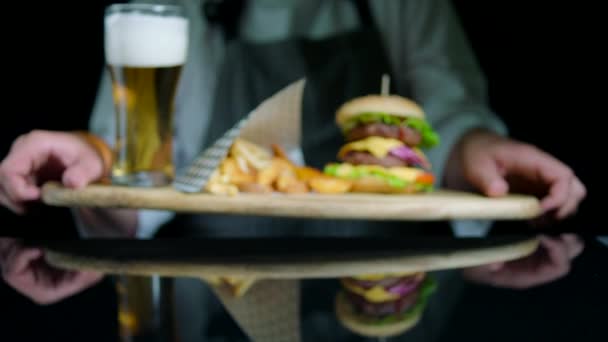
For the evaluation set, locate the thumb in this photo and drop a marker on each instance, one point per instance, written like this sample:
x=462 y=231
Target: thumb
x=85 y=170
x=485 y=175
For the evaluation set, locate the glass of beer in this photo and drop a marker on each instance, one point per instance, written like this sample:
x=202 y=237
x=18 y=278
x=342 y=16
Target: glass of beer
x=145 y=49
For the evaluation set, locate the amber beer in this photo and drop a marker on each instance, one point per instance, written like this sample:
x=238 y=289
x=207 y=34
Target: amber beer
x=143 y=97
x=145 y=308
x=145 y=49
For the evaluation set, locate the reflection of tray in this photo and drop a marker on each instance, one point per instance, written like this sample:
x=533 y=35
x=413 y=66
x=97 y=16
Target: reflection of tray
x=280 y=258
x=440 y=205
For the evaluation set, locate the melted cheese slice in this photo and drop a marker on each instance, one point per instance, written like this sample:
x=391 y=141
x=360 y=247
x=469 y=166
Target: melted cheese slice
x=376 y=294
x=408 y=174
x=379 y=147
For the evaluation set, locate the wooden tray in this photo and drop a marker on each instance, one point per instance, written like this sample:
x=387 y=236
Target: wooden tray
x=439 y=205
x=283 y=258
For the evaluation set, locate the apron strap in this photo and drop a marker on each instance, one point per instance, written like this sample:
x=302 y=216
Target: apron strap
x=227 y=14
x=365 y=15
x=224 y=14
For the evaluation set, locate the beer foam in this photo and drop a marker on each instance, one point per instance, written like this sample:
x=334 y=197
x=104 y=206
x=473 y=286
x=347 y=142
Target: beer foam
x=140 y=40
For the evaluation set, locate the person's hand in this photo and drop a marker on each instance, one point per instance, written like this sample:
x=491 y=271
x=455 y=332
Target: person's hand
x=26 y=270
x=41 y=156
x=496 y=165
x=551 y=261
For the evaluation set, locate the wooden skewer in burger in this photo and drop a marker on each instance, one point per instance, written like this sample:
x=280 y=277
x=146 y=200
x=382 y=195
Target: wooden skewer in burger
x=385 y=135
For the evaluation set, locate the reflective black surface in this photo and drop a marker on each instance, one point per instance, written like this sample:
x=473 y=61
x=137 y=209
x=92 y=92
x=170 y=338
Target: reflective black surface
x=269 y=249
x=571 y=307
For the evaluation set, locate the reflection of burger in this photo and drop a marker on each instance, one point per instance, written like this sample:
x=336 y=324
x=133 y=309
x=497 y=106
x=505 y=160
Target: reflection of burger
x=383 y=305
x=384 y=135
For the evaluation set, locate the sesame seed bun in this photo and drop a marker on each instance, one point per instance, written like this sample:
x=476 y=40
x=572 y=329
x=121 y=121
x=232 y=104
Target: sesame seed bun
x=391 y=104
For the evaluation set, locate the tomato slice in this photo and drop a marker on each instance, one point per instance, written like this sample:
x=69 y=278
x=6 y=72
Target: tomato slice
x=425 y=178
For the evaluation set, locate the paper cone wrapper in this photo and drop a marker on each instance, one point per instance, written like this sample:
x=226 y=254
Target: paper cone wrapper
x=269 y=311
x=277 y=120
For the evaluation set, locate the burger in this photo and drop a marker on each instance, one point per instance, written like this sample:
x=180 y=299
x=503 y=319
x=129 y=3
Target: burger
x=385 y=137
x=383 y=305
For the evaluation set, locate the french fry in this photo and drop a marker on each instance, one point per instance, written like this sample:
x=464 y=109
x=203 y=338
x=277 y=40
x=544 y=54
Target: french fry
x=280 y=153
x=268 y=175
x=251 y=168
x=256 y=156
x=288 y=183
x=237 y=287
x=284 y=165
x=242 y=163
x=297 y=187
x=255 y=188
x=305 y=173
x=222 y=189
x=234 y=174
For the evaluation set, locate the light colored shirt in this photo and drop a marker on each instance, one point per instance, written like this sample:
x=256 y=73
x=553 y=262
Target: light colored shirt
x=427 y=48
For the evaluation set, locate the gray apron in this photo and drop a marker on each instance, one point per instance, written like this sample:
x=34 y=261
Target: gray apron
x=336 y=69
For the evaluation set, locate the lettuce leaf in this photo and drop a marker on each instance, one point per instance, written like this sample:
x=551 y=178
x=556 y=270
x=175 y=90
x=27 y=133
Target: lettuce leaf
x=429 y=137
x=333 y=169
x=358 y=172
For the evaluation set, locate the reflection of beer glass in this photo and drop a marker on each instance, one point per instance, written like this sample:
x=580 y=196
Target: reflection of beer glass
x=145 y=50
x=145 y=308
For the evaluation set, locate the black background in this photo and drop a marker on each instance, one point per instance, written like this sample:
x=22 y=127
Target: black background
x=542 y=64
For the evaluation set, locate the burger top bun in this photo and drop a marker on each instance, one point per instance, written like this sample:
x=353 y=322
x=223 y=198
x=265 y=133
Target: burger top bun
x=348 y=318
x=389 y=104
